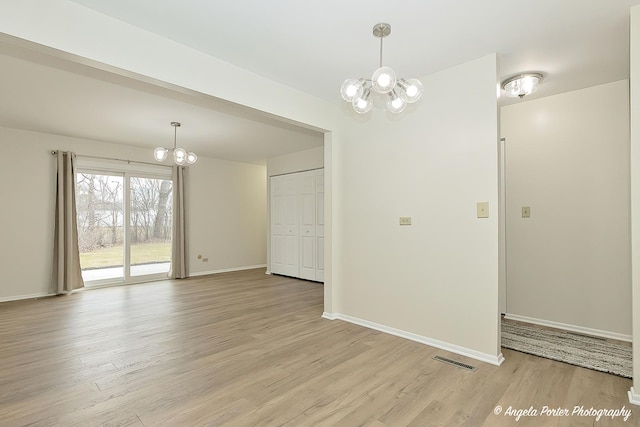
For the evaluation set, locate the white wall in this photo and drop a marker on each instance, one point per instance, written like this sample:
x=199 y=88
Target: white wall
x=296 y=162
x=568 y=160
x=438 y=278
x=227 y=204
x=226 y=200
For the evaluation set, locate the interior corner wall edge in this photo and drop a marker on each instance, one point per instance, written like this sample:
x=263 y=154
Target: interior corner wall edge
x=567 y=158
x=635 y=191
x=230 y=238
x=437 y=278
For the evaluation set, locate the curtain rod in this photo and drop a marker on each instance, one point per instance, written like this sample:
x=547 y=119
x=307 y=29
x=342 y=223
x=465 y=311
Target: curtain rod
x=54 y=152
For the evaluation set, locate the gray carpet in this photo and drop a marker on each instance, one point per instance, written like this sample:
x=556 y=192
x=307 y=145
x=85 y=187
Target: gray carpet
x=569 y=347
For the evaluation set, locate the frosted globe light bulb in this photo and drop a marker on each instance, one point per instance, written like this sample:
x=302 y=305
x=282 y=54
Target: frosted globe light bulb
x=351 y=89
x=363 y=104
x=160 y=154
x=179 y=156
x=397 y=102
x=412 y=89
x=384 y=80
x=191 y=158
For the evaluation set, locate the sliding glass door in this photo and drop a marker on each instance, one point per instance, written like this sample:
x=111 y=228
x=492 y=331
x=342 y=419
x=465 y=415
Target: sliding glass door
x=124 y=226
x=150 y=225
x=100 y=207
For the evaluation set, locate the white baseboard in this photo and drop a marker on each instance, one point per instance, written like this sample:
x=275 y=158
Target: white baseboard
x=227 y=270
x=634 y=398
x=572 y=328
x=21 y=297
x=463 y=351
x=97 y=286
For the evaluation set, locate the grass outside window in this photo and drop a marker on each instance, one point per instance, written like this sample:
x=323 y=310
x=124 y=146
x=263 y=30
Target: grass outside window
x=144 y=253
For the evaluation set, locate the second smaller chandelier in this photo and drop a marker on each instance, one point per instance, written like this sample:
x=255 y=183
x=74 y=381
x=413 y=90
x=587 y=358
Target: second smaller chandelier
x=180 y=155
x=399 y=92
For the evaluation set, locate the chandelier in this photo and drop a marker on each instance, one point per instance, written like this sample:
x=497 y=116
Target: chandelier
x=180 y=155
x=399 y=92
x=521 y=85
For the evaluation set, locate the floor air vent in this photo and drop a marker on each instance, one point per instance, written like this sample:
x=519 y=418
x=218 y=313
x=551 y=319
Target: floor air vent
x=454 y=363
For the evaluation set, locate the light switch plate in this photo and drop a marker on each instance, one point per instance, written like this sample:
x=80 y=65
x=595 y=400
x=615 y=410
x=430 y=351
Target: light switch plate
x=405 y=220
x=526 y=212
x=483 y=209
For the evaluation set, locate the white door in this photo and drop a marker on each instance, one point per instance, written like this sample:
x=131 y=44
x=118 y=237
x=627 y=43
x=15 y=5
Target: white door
x=307 y=197
x=320 y=226
x=502 y=229
x=284 y=225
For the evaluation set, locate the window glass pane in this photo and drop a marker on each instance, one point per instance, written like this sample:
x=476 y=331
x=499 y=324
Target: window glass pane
x=150 y=225
x=99 y=204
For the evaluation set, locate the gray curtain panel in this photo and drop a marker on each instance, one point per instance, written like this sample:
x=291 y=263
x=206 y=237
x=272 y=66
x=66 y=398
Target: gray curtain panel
x=178 y=250
x=67 y=274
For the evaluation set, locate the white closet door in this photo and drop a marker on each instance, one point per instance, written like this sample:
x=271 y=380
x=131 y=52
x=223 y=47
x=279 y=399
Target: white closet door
x=320 y=226
x=307 y=198
x=284 y=225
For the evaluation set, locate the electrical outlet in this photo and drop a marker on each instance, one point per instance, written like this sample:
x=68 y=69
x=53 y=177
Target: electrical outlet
x=483 y=209
x=405 y=220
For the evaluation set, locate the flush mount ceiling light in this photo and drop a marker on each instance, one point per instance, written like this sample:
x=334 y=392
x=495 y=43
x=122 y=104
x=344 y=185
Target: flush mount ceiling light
x=522 y=85
x=180 y=155
x=399 y=92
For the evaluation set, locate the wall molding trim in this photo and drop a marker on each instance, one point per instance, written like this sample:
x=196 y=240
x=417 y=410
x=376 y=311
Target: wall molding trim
x=463 y=351
x=227 y=270
x=634 y=398
x=23 y=297
x=572 y=328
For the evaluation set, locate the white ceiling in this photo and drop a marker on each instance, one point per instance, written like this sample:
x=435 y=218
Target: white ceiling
x=313 y=47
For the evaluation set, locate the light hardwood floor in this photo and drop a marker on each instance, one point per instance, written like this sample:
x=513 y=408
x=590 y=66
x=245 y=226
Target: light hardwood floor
x=247 y=349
